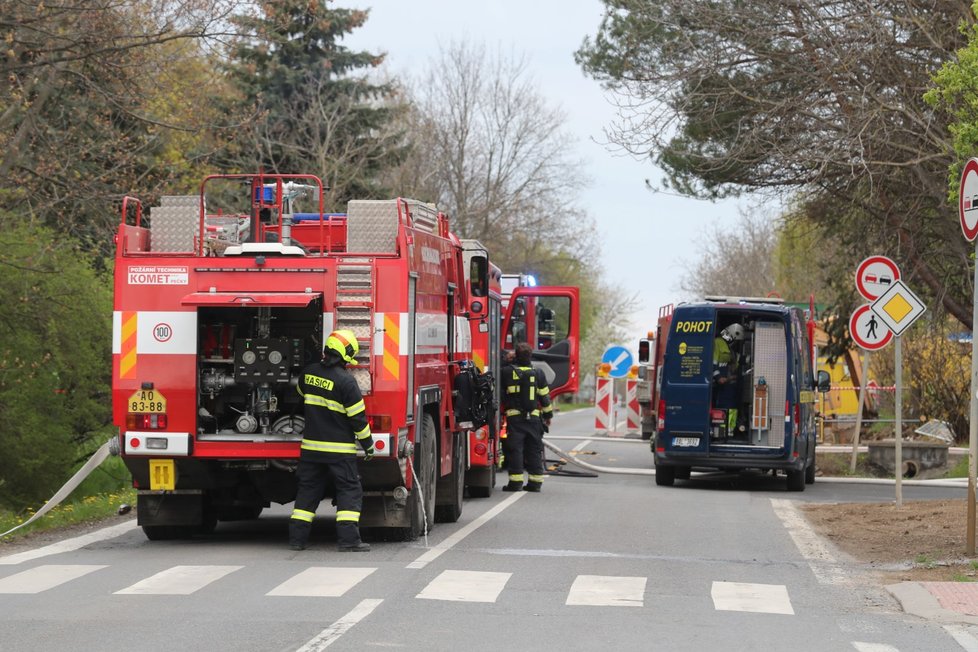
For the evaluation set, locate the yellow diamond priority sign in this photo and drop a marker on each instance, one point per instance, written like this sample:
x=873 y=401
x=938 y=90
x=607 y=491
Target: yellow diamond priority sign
x=898 y=307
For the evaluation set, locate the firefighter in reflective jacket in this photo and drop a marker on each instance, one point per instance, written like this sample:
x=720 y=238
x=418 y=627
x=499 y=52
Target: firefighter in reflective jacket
x=528 y=410
x=725 y=363
x=336 y=422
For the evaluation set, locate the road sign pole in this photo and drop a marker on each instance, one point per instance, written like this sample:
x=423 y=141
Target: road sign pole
x=898 y=435
x=859 y=411
x=973 y=417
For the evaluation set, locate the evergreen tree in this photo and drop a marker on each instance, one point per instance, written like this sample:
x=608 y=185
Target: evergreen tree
x=313 y=112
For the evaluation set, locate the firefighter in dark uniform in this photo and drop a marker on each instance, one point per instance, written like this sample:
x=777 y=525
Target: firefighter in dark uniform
x=528 y=410
x=336 y=422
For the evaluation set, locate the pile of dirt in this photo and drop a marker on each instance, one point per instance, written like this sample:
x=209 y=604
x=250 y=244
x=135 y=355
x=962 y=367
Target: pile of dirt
x=920 y=541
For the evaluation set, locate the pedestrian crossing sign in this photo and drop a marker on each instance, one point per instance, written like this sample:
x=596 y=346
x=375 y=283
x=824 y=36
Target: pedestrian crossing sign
x=898 y=307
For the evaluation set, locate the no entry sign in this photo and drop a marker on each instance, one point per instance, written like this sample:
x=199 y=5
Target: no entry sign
x=968 y=200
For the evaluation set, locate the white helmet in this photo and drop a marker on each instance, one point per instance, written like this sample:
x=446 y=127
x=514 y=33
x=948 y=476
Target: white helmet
x=733 y=333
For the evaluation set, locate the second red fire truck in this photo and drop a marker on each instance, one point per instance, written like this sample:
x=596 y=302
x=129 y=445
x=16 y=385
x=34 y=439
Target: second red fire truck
x=222 y=297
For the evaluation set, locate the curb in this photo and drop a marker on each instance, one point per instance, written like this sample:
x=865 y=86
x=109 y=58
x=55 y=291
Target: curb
x=918 y=601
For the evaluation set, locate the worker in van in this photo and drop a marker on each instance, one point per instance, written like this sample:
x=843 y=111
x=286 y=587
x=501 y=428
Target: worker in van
x=726 y=356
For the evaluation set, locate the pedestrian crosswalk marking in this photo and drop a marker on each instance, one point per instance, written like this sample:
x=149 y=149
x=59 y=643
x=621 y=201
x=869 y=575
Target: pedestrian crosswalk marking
x=758 y=598
x=873 y=647
x=450 y=585
x=179 y=580
x=322 y=582
x=466 y=586
x=607 y=591
x=43 y=578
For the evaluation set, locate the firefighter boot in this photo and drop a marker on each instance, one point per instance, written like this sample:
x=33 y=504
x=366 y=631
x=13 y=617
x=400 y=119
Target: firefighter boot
x=299 y=532
x=533 y=486
x=515 y=482
x=356 y=547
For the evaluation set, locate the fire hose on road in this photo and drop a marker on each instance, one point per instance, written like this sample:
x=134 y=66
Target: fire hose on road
x=570 y=459
x=110 y=447
x=592 y=467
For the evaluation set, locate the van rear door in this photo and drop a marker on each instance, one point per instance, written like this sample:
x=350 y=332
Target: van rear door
x=687 y=380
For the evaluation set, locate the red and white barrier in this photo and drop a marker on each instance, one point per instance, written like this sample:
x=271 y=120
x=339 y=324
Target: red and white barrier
x=633 y=417
x=602 y=405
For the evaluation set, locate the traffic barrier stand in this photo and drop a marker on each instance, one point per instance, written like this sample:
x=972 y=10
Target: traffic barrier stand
x=632 y=416
x=602 y=406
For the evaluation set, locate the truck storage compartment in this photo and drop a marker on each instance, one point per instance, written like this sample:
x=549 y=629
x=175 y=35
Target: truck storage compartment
x=249 y=361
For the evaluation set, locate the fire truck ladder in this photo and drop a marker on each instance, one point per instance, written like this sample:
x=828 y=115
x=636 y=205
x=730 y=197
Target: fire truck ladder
x=353 y=310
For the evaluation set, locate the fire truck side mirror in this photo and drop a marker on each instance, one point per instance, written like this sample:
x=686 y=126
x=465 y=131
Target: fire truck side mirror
x=644 y=349
x=479 y=276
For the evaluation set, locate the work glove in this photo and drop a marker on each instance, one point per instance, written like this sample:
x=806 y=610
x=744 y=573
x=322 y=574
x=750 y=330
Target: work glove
x=368 y=453
x=546 y=425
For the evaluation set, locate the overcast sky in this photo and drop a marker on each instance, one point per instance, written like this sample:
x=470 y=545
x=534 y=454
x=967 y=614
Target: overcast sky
x=646 y=236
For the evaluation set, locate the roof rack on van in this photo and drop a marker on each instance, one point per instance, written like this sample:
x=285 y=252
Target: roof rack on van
x=719 y=299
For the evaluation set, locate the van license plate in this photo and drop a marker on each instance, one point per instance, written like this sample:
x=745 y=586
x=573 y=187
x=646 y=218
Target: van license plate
x=686 y=442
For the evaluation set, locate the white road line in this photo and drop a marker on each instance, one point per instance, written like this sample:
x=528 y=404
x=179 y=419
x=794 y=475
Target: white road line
x=322 y=582
x=329 y=635
x=581 y=445
x=466 y=586
x=607 y=591
x=435 y=552
x=71 y=544
x=179 y=580
x=963 y=637
x=757 y=598
x=43 y=578
x=820 y=559
x=874 y=647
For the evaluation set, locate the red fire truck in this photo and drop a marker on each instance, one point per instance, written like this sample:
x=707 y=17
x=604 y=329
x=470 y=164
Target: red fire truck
x=650 y=353
x=222 y=297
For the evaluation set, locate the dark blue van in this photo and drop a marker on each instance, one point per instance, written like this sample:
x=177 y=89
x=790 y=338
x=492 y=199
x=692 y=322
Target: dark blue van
x=737 y=391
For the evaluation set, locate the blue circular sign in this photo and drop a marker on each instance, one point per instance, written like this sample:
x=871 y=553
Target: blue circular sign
x=620 y=360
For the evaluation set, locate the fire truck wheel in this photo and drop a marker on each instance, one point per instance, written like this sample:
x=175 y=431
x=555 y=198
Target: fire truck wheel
x=425 y=470
x=665 y=475
x=796 y=480
x=453 y=486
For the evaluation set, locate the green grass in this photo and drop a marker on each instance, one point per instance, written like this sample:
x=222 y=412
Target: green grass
x=89 y=508
x=98 y=496
x=959 y=470
x=924 y=560
x=837 y=465
x=969 y=577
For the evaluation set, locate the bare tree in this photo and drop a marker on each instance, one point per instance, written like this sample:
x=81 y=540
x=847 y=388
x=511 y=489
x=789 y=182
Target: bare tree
x=738 y=260
x=495 y=155
x=491 y=151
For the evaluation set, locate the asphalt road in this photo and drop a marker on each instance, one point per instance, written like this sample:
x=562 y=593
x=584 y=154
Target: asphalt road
x=604 y=562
